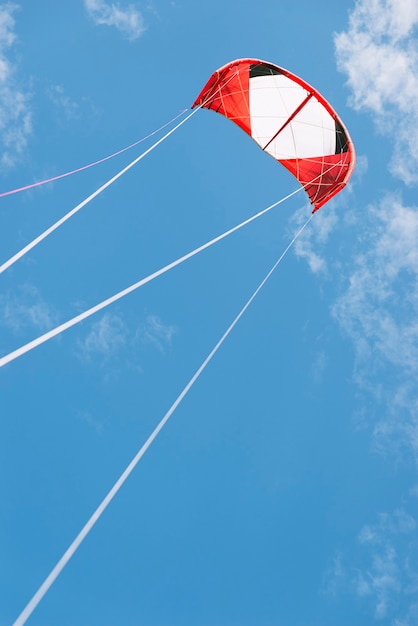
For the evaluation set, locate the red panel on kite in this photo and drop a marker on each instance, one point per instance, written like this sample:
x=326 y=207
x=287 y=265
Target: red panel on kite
x=288 y=119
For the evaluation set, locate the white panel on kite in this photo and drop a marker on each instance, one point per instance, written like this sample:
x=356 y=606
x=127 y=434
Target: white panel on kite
x=272 y=99
x=311 y=133
x=314 y=130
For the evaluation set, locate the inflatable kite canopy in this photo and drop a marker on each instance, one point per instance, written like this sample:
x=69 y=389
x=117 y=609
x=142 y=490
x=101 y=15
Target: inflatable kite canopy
x=288 y=119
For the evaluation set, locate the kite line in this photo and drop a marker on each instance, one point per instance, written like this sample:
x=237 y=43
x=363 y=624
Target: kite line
x=89 y=165
x=79 y=206
x=55 y=572
x=105 y=303
x=73 y=211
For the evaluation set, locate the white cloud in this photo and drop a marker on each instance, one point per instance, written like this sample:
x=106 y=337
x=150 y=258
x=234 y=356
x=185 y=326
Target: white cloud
x=398 y=522
x=410 y=619
x=387 y=575
x=318 y=367
x=113 y=344
x=7 y=36
x=90 y=420
x=380 y=568
x=25 y=310
x=15 y=116
x=335 y=576
x=381 y=581
x=378 y=309
x=128 y=20
x=310 y=244
x=156 y=333
x=60 y=99
x=379 y=54
x=105 y=339
x=380 y=305
x=379 y=312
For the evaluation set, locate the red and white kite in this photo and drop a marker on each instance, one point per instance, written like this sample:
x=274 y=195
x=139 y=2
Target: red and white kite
x=288 y=119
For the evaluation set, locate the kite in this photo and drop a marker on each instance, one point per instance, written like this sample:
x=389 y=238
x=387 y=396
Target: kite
x=291 y=122
x=288 y=119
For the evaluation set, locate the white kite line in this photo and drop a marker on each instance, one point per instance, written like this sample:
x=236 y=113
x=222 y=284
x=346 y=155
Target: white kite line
x=38 y=183
x=55 y=572
x=98 y=307
x=79 y=206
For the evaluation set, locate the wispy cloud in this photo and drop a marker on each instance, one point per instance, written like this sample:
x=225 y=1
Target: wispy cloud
x=127 y=19
x=378 y=280
x=335 y=577
x=90 y=420
x=378 y=303
x=66 y=108
x=60 y=99
x=378 y=310
x=15 y=115
x=310 y=245
x=105 y=339
x=112 y=339
x=156 y=333
x=380 y=568
x=24 y=310
x=388 y=573
x=379 y=54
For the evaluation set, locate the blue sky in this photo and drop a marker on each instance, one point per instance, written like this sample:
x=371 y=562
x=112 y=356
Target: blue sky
x=283 y=491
